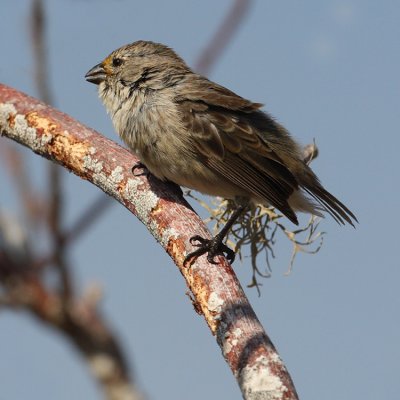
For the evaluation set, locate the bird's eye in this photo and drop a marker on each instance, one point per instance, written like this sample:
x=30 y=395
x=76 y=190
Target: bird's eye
x=116 y=62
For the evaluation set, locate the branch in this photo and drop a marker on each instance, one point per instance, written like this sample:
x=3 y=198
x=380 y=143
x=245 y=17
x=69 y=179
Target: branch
x=31 y=201
x=216 y=292
x=80 y=321
x=55 y=198
x=38 y=41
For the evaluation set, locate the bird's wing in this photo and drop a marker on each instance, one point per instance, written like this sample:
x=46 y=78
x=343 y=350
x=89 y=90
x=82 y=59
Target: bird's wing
x=239 y=121
x=232 y=146
x=248 y=147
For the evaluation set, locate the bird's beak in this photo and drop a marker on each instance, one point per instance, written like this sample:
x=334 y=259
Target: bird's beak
x=96 y=75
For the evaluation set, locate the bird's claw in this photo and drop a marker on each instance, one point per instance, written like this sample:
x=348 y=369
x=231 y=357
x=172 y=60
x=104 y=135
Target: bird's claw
x=142 y=167
x=213 y=247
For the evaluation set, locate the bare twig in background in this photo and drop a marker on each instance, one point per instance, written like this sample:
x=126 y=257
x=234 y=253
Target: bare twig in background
x=42 y=79
x=78 y=319
x=55 y=200
x=31 y=202
x=222 y=36
x=216 y=291
x=81 y=322
x=81 y=225
x=40 y=64
x=86 y=219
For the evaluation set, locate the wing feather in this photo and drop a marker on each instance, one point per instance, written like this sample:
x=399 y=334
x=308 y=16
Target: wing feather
x=232 y=148
x=249 y=149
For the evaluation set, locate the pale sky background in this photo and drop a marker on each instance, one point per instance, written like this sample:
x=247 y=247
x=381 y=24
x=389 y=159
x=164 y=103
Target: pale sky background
x=325 y=69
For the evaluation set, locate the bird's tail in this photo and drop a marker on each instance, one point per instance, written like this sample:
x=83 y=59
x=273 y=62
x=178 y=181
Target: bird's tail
x=325 y=201
x=331 y=204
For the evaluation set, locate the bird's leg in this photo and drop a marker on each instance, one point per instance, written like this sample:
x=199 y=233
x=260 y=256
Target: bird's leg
x=140 y=166
x=215 y=246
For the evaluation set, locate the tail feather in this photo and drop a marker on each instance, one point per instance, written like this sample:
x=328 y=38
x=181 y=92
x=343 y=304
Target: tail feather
x=331 y=204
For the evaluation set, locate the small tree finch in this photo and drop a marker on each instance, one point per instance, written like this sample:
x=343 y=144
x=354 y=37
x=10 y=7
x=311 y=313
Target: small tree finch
x=198 y=134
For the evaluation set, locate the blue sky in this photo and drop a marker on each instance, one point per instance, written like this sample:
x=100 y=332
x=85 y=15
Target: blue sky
x=326 y=70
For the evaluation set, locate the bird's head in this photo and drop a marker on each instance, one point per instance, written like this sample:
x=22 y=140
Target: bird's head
x=138 y=65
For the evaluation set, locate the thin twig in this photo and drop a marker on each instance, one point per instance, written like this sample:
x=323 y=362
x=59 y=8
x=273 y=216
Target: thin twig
x=61 y=238
x=40 y=65
x=30 y=201
x=55 y=198
x=87 y=219
x=81 y=225
x=82 y=324
x=79 y=320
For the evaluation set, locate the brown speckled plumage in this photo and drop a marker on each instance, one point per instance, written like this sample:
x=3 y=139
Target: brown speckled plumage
x=200 y=135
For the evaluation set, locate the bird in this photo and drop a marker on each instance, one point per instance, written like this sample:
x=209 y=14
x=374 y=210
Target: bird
x=193 y=132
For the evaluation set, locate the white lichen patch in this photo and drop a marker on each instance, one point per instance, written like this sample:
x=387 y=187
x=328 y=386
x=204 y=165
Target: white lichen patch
x=92 y=150
x=144 y=201
x=21 y=131
x=27 y=133
x=275 y=358
x=92 y=164
x=116 y=175
x=103 y=181
x=231 y=340
x=237 y=332
x=227 y=347
x=215 y=304
x=259 y=378
x=107 y=182
x=6 y=110
x=168 y=234
x=45 y=139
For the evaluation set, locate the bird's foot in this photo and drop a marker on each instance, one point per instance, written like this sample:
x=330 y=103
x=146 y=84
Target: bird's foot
x=139 y=169
x=213 y=247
